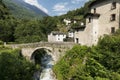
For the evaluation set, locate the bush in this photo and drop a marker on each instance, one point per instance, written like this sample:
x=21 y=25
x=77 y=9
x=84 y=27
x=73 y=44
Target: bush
x=14 y=67
x=101 y=62
x=1 y=42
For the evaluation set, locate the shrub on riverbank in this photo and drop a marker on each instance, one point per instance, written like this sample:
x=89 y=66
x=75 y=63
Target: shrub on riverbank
x=99 y=62
x=14 y=67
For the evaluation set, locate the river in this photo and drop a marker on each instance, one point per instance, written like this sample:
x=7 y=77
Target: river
x=47 y=72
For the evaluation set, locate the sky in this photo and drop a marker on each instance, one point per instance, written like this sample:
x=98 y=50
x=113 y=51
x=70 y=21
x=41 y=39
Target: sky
x=57 y=7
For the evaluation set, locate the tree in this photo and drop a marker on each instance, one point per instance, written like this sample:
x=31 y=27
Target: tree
x=14 y=67
x=29 y=31
x=7 y=30
x=49 y=24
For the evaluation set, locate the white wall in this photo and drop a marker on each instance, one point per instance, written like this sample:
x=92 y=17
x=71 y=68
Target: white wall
x=56 y=38
x=71 y=34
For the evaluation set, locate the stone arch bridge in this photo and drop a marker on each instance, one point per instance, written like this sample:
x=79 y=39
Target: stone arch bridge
x=56 y=50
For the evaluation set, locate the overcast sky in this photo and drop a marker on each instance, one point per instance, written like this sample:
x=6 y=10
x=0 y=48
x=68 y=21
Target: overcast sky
x=57 y=7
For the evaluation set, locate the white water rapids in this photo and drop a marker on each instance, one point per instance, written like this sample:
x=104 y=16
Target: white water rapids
x=47 y=64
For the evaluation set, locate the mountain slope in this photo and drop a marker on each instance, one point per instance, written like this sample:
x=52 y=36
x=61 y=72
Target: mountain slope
x=20 y=9
x=4 y=12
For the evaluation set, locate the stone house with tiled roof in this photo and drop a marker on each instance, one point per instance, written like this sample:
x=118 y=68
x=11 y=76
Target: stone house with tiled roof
x=104 y=18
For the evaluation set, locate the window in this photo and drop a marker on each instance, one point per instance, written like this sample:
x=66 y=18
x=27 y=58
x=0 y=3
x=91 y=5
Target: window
x=94 y=10
x=113 y=17
x=112 y=29
x=89 y=20
x=77 y=40
x=113 y=5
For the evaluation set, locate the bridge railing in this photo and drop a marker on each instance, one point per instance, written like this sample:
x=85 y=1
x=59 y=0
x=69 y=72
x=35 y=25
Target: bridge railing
x=38 y=44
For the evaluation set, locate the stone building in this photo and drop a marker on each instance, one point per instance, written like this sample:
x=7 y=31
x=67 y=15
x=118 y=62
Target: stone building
x=104 y=18
x=56 y=36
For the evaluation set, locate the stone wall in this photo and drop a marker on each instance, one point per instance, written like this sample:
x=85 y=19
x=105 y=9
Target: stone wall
x=100 y=25
x=105 y=11
x=56 y=49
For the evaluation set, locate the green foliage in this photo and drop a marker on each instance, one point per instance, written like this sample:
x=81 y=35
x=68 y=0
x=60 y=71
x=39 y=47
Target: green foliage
x=34 y=30
x=24 y=30
x=95 y=69
x=75 y=25
x=4 y=13
x=72 y=64
x=99 y=62
x=49 y=24
x=115 y=76
x=14 y=67
x=109 y=48
x=1 y=42
x=3 y=48
x=7 y=24
x=78 y=13
x=7 y=30
x=28 y=31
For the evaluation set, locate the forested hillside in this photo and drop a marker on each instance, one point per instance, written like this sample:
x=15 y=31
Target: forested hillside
x=77 y=14
x=99 y=62
x=4 y=13
x=24 y=30
x=33 y=30
x=20 y=9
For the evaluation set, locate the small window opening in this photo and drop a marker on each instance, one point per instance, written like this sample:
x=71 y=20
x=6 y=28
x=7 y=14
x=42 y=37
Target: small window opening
x=112 y=29
x=113 y=17
x=113 y=5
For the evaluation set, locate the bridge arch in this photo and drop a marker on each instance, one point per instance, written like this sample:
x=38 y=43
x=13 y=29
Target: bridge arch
x=57 y=49
x=40 y=52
